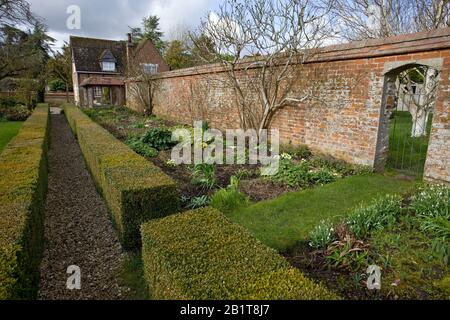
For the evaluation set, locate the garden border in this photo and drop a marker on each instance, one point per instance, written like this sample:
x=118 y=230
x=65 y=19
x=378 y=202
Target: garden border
x=23 y=187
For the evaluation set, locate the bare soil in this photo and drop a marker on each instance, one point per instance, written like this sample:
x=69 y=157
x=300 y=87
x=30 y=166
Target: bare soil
x=347 y=284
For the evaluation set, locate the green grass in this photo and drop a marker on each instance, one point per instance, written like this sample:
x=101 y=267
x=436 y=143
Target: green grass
x=8 y=130
x=283 y=222
x=406 y=154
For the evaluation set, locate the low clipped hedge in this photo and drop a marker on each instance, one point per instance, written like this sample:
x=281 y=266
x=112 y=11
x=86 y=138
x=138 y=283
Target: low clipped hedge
x=23 y=186
x=201 y=255
x=134 y=189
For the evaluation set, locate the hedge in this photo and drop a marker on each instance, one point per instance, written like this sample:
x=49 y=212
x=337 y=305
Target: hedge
x=23 y=186
x=134 y=189
x=201 y=255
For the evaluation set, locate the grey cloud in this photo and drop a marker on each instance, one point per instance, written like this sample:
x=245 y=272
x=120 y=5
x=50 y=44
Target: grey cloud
x=111 y=18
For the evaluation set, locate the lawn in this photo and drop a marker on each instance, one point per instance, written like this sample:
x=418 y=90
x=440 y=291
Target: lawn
x=283 y=222
x=407 y=154
x=8 y=130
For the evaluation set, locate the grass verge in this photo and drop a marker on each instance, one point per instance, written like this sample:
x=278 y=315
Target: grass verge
x=283 y=222
x=8 y=130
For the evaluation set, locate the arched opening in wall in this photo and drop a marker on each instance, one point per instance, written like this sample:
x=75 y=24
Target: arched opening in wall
x=409 y=101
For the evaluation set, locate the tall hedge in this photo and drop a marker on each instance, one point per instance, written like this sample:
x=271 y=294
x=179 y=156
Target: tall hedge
x=23 y=186
x=201 y=255
x=134 y=189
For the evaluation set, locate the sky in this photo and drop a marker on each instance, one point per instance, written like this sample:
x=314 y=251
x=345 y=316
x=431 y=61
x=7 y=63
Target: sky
x=110 y=19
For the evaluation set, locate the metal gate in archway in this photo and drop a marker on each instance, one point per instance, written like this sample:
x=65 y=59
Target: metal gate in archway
x=408 y=136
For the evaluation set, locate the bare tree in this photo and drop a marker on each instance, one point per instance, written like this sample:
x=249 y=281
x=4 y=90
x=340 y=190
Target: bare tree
x=367 y=19
x=142 y=85
x=418 y=88
x=260 y=44
x=432 y=14
x=372 y=19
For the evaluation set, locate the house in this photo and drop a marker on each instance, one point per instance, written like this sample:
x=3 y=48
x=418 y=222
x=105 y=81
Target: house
x=100 y=68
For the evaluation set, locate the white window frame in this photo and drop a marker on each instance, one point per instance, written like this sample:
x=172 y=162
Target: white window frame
x=98 y=92
x=108 y=66
x=150 y=68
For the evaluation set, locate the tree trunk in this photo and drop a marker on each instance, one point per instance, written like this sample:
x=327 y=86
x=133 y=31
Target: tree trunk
x=419 y=128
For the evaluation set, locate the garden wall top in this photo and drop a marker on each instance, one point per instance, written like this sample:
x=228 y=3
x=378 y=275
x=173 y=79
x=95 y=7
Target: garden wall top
x=402 y=44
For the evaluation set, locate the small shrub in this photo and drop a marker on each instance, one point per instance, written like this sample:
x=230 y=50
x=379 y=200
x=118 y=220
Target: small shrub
x=349 y=254
x=56 y=85
x=228 y=200
x=160 y=139
x=204 y=174
x=323 y=176
x=297 y=151
x=15 y=113
x=8 y=102
x=243 y=174
x=380 y=214
x=339 y=166
x=141 y=148
x=291 y=174
x=197 y=202
x=322 y=236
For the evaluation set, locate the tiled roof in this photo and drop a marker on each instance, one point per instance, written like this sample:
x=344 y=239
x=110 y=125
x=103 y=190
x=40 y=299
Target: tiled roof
x=103 y=81
x=87 y=53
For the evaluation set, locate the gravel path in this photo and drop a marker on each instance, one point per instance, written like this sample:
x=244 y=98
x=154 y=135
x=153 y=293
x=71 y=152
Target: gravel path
x=77 y=226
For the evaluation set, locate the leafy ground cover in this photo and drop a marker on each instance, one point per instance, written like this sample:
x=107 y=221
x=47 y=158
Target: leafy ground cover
x=408 y=237
x=8 y=130
x=198 y=184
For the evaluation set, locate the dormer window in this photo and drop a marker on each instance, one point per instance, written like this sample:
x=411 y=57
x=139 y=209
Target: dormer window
x=108 y=61
x=108 y=66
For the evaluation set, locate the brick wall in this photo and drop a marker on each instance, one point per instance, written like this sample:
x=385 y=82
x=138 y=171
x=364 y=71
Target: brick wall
x=58 y=97
x=349 y=121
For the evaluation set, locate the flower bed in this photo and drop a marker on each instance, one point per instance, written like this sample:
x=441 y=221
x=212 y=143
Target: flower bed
x=150 y=137
x=408 y=237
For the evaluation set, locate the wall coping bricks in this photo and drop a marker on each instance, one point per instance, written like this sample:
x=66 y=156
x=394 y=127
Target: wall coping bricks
x=402 y=44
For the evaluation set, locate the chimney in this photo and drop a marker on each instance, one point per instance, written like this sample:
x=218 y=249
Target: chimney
x=130 y=46
x=130 y=40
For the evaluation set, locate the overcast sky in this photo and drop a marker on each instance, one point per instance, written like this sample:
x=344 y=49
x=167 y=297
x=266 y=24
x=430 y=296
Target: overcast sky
x=110 y=18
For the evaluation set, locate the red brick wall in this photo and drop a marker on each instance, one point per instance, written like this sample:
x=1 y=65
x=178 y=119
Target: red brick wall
x=348 y=121
x=147 y=53
x=437 y=166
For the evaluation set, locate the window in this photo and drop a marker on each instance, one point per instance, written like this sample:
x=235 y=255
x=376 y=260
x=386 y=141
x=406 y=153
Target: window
x=97 y=92
x=109 y=66
x=150 y=68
